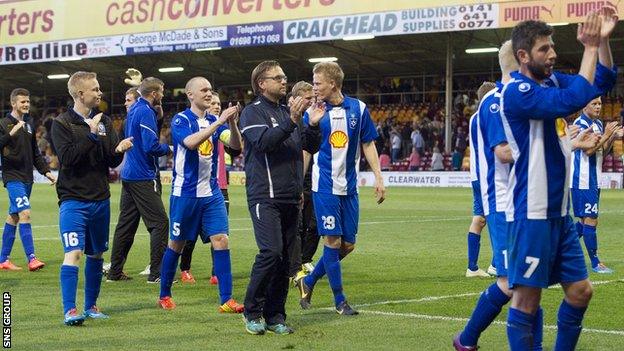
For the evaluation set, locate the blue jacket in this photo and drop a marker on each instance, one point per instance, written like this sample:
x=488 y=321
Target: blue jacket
x=142 y=160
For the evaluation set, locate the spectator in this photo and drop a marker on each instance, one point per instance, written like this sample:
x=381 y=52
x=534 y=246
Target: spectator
x=395 y=140
x=437 y=161
x=417 y=141
x=457 y=160
x=461 y=140
x=414 y=160
x=384 y=160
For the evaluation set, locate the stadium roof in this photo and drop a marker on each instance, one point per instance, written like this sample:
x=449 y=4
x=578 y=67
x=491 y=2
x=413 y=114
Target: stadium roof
x=388 y=56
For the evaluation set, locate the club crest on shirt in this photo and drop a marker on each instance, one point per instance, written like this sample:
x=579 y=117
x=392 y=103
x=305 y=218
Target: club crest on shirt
x=274 y=122
x=524 y=87
x=205 y=148
x=338 y=139
x=352 y=121
x=494 y=108
x=101 y=130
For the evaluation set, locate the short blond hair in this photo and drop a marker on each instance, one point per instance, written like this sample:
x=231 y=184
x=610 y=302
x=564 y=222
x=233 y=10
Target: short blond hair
x=507 y=59
x=300 y=88
x=331 y=70
x=485 y=88
x=19 y=92
x=149 y=85
x=76 y=80
x=134 y=92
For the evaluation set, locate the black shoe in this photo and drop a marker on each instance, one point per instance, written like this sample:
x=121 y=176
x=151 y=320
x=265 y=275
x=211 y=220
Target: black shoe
x=346 y=310
x=306 y=294
x=157 y=281
x=121 y=277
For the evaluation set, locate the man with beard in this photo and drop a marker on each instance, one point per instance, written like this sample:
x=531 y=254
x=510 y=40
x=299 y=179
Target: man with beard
x=141 y=188
x=273 y=169
x=543 y=246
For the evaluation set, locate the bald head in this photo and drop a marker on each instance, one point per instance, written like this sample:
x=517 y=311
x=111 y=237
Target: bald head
x=199 y=93
x=507 y=60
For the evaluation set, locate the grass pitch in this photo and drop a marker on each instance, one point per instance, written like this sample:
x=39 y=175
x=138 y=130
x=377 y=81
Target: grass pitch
x=405 y=277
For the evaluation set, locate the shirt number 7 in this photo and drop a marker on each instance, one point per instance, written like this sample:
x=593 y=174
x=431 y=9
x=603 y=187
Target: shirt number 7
x=532 y=262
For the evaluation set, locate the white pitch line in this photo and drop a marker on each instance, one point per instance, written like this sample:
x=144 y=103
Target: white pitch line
x=444 y=297
x=458 y=319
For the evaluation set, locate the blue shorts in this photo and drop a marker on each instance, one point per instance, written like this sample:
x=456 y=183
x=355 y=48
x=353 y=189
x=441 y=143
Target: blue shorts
x=85 y=225
x=477 y=206
x=19 y=196
x=544 y=252
x=192 y=216
x=585 y=202
x=337 y=215
x=497 y=226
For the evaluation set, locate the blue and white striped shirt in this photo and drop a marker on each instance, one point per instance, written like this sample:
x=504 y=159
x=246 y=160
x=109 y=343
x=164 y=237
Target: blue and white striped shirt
x=486 y=132
x=586 y=170
x=336 y=164
x=538 y=181
x=194 y=171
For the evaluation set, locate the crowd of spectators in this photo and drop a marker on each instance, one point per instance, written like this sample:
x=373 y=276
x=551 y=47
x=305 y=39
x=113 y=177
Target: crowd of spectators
x=410 y=124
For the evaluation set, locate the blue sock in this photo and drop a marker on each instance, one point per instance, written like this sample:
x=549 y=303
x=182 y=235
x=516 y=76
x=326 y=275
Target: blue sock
x=69 y=285
x=579 y=228
x=474 y=244
x=591 y=243
x=488 y=307
x=569 y=326
x=317 y=273
x=8 y=238
x=538 y=330
x=331 y=260
x=519 y=330
x=93 y=281
x=27 y=240
x=167 y=271
x=223 y=270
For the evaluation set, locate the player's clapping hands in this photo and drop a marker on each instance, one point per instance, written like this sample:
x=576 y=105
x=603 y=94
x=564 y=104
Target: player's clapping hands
x=124 y=145
x=229 y=113
x=585 y=139
x=19 y=125
x=589 y=32
x=318 y=111
x=613 y=129
x=94 y=122
x=297 y=107
x=609 y=18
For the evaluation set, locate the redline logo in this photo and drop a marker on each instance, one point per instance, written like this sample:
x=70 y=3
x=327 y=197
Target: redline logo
x=47 y=51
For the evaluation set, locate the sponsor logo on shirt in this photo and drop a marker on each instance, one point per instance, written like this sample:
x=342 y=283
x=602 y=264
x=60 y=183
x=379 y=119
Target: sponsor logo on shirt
x=338 y=139
x=524 y=87
x=274 y=122
x=352 y=121
x=205 y=148
x=101 y=130
x=494 y=108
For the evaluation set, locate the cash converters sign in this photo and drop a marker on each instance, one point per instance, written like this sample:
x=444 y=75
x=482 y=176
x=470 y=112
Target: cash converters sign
x=39 y=21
